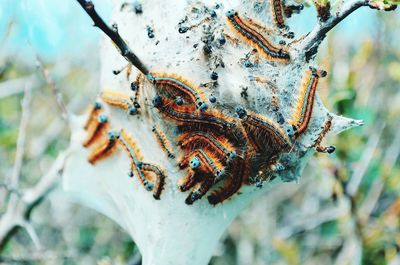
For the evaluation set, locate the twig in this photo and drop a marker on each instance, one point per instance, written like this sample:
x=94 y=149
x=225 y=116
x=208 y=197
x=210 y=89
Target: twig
x=32 y=234
x=361 y=169
x=306 y=223
x=54 y=89
x=25 y=106
x=18 y=212
x=389 y=160
x=113 y=34
x=17 y=85
x=311 y=42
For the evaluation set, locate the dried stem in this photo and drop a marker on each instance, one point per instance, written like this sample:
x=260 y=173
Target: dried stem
x=113 y=34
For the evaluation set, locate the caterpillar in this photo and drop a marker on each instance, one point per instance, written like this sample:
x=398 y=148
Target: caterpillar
x=96 y=130
x=135 y=156
x=179 y=87
x=205 y=168
x=220 y=146
x=119 y=100
x=93 y=114
x=323 y=10
x=199 y=191
x=200 y=160
x=325 y=130
x=191 y=178
x=289 y=10
x=186 y=115
x=162 y=140
x=105 y=149
x=135 y=87
x=160 y=178
x=305 y=102
x=276 y=8
x=263 y=130
x=263 y=45
x=234 y=182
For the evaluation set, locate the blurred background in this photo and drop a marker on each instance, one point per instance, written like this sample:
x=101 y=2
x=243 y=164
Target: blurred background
x=345 y=207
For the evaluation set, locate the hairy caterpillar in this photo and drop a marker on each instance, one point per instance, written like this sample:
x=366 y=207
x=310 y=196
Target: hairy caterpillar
x=120 y=100
x=305 y=102
x=179 y=87
x=93 y=114
x=96 y=130
x=159 y=178
x=187 y=115
x=263 y=130
x=162 y=140
x=325 y=130
x=135 y=156
x=220 y=146
x=262 y=44
x=105 y=149
x=276 y=8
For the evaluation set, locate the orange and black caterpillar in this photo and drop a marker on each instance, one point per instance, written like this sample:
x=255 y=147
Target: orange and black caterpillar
x=93 y=114
x=158 y=174
x=205 y=168
x=153 y=183
x=239 y=169
x=262 y=44
x=305 y=101
x=218 y=145
x=264 y=132
x=96 y=129
x=120 y=100
x=151 y=177
x=180 y=88
x=277 y=13
x=325 y=130
x=105 y=149
x=187 y=115
x=162 y=140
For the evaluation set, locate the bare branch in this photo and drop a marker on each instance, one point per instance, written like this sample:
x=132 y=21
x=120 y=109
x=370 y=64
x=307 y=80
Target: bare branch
x=25 y=106
x=16 y=86
x=19 y=209
x=32 y=234
x=362 y=167
x=312 y=41
x=113 y=34
x=372 y=197
x=54 y=89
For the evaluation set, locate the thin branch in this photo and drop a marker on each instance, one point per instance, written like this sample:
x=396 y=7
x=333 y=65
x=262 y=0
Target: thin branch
x=311 y=42
x=16 y=85
x=362 y=167
x=389 y=160
x=57 y=93
x=18 y=211
x=113 y=34
x=25 y=106
x=32 y=234
x=306 y=223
